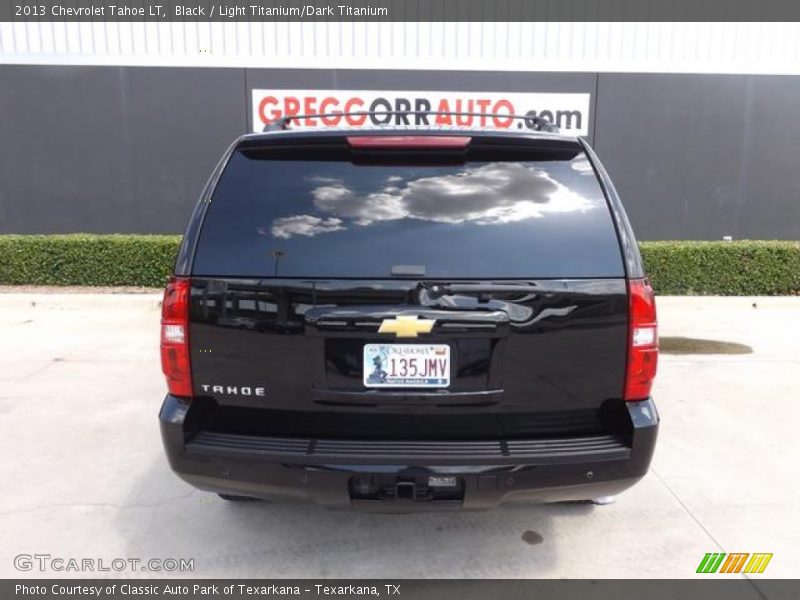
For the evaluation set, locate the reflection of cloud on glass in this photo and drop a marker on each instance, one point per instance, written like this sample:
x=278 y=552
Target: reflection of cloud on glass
x=487 y=195
x=490 y=194
x=333 y=191
x=337 y=199
x=582 y=166
x=307 y=225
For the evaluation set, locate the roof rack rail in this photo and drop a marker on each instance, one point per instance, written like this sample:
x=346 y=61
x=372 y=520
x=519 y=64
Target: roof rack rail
x=534 y=122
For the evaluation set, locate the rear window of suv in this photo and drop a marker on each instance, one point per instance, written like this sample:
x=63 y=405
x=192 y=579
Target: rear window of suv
x=326 y=212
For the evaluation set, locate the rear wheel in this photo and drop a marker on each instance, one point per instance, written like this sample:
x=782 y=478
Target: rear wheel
x=233 y=498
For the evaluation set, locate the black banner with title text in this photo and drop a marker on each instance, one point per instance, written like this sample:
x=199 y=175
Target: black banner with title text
x=403 y=589
x=399 y=10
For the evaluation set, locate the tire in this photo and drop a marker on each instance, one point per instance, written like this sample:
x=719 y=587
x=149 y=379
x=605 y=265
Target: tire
x=233 y=498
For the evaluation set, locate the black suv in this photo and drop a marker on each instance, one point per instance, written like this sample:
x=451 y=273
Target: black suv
x=409 y=320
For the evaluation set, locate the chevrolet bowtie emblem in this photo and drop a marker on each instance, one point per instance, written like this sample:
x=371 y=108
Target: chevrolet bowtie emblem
x=406 y=326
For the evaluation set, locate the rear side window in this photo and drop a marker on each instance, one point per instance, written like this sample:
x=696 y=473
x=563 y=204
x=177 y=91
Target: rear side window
x=327 y=212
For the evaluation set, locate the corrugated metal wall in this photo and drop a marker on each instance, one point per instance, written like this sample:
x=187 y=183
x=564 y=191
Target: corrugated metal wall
x=769 y=48
x=128 y=149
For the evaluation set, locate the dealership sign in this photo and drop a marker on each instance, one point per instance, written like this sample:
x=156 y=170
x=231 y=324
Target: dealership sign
x=491 y=109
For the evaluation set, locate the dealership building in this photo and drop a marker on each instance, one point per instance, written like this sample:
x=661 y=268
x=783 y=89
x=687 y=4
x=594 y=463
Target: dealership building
x=114 y=127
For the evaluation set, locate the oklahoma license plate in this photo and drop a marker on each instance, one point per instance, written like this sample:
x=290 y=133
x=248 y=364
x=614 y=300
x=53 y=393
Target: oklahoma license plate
x=407 y=365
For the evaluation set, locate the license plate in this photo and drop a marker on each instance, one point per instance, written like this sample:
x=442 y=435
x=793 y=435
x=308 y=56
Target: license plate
x=407 y=365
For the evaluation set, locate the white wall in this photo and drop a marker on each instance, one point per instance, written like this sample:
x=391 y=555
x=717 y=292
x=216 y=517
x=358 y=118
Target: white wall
x=769 y=48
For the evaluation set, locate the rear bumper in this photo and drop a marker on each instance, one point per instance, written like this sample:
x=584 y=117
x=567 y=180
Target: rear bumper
x=391 y=476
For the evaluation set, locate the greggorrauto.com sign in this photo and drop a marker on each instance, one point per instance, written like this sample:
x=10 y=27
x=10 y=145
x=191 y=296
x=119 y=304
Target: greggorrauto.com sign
x=570 y=111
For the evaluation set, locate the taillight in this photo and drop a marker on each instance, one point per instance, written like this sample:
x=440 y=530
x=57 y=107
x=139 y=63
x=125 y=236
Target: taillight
x=175 y=337
x=643 y=341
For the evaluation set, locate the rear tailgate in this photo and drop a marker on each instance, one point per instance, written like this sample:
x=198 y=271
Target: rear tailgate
x=503 y=249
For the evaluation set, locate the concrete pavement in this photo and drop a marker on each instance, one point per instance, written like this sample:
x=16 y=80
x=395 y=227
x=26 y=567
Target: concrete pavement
x=85 y=476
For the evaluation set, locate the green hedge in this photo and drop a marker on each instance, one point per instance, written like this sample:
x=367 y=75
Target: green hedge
x=81 y=259
x=725 y=268
x=742 y=268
